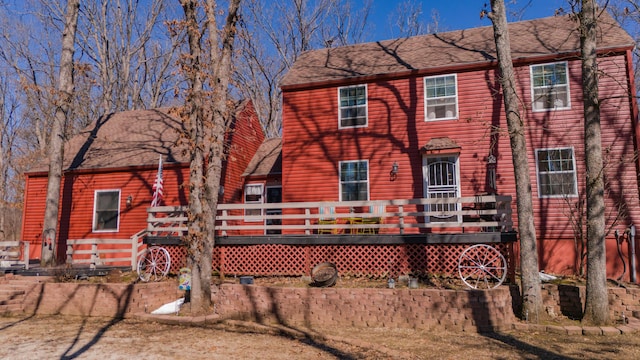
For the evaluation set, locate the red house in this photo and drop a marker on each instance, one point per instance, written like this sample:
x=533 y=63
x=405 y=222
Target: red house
x=110 y=169
x=405 y=140
x=423 y=117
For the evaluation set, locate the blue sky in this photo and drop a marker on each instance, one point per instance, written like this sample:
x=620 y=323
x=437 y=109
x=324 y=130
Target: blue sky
x=459 y=14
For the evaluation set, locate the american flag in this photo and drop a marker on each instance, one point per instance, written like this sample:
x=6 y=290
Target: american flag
x=158 y=186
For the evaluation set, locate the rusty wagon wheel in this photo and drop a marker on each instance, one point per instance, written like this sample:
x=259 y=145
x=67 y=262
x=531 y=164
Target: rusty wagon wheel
x=482 y=267
x=154 y=264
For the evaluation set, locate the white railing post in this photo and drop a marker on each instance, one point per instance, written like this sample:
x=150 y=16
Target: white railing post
x=94 y=256
x=401 y=218
x=224 y=222
x=307 y=222
x=26 y=254
x=134 y=251
x=70 y=252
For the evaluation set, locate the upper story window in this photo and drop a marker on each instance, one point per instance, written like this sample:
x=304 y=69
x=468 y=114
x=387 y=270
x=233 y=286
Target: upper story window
x=353 y=106
x=253 y=194
x=106 y=210
x=441 y=97
x=354 y=180
x=550 y=86
x=556 y=171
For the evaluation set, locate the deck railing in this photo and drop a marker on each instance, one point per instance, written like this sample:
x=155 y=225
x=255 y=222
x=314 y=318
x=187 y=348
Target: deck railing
x=105 y=252
x=14 y=253
x=400 y=216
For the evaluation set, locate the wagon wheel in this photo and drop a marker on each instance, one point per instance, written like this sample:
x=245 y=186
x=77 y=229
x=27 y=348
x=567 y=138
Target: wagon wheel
x=154 y=264
x=482 y=267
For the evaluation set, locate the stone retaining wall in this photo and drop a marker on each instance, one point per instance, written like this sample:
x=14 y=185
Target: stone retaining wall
x=406 y=308
x=568 y=300
x=111 y=300
x=458 y=310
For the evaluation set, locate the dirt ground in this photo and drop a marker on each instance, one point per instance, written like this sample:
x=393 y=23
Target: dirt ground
x=95 y=338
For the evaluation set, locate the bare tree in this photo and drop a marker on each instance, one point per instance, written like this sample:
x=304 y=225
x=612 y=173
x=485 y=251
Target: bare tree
x=56 y=145
x=8 y=135
x=206 y=114
x=407 y=19
x=531 y=295
x=273 y=35
x=127 y=52
x=597 y=300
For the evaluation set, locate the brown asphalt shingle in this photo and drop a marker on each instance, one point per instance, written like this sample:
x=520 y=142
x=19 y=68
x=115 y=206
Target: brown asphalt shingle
x=529 y=39
x=267 y=160
x=123 y=139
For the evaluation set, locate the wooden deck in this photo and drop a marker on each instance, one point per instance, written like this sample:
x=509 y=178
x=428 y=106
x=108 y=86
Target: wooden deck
x=477 y=219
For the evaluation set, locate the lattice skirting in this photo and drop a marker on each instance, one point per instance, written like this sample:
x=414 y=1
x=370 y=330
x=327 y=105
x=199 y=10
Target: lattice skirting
x=355 y=260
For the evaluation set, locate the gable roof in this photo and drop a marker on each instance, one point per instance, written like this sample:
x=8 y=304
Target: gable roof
x=128 y=138
x=267 y=160
x=529 y=40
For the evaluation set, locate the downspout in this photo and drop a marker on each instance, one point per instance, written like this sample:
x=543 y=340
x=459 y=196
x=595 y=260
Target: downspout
x=636 y=135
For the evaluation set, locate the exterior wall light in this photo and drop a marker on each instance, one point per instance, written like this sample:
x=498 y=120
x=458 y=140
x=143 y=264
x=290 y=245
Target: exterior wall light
x=393 y=174
x=129 y=201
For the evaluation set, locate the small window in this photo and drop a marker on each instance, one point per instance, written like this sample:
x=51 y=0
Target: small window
x=253 y=195
x=354 y=180
x=556 y=170
x=550 y=86
x=441 y=97
x=106 y=210
x=353 y=106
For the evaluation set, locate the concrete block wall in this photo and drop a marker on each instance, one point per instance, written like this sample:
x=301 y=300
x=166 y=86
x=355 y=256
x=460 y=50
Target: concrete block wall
x=568 y=300
x=407 y=308
x=110 y=300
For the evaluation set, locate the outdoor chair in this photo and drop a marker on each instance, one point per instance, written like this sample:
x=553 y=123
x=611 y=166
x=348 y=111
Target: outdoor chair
x=327 y=219
x=373 y=209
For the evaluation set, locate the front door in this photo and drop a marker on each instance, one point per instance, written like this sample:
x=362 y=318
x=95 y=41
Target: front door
x=274 y=195
x=441 y=180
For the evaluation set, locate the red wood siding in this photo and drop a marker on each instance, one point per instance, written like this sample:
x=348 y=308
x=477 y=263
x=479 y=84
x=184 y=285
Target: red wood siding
x=78 y=188
x=313 y=145
x=245 y=137
x=77 y=203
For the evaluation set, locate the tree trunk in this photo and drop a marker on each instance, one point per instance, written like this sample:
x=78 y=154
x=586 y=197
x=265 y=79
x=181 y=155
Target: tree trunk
x=56 y=144
x=195 y=128
x=597 y=302
x=207 y=128
x=531 y=296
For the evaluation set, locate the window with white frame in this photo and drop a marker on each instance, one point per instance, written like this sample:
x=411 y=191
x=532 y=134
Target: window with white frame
x=106 y=210
x=556 y=171
x=441 y=97
x=253 y=194
x=354 y=180
x=353 y=106
x=550 y=86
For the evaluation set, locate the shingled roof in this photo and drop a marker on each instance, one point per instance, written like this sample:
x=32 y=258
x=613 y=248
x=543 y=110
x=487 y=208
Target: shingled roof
x=267 y=160
x=128 y=138
x=529 y=39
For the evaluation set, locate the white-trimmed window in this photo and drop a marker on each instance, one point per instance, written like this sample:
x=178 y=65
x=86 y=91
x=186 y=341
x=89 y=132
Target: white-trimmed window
x=253 y=194
x=556 y=171
x=441 y=97
x=106 y=210
x=353 y=106
x=550 y=86
x=354 y=180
